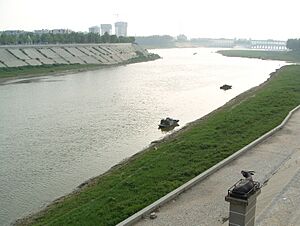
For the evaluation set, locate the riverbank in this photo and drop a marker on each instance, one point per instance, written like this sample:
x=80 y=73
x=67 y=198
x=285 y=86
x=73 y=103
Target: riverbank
x=147 y=176
x=17 y=61
x=288 y=56
x=275 y=161
x=42 y=70
x=11 y=73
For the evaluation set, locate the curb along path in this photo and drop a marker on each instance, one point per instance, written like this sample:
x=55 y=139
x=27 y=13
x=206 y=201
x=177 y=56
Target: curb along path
x=203 y=201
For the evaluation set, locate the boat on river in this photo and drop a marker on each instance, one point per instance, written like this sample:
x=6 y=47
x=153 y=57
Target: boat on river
x=168 y=123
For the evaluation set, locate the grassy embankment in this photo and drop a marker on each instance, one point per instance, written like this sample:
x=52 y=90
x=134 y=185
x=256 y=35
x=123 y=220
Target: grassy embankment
x=8 y=72
x=11 y=72
x=290 y=56
x=153 y=173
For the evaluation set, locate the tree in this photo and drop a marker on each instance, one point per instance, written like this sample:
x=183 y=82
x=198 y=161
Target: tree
x=105 y=38
x=293 y=44
x=49 y=38
x=114 y=39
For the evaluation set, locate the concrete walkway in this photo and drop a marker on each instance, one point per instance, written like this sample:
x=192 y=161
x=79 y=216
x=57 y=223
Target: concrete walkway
x=276 y=162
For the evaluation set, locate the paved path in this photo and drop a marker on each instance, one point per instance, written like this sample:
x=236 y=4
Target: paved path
x=277 y=165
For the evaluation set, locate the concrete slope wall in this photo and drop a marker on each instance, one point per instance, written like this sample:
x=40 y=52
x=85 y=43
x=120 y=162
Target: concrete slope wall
x=23 y=55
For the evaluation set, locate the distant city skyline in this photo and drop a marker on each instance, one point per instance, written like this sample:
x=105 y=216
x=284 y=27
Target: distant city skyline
x=195 y=18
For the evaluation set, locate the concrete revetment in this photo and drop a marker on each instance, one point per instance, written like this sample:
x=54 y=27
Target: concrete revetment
x=102 y=54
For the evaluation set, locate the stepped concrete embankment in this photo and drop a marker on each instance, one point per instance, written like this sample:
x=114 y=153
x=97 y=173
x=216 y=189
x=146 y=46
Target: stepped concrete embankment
x=102 y=54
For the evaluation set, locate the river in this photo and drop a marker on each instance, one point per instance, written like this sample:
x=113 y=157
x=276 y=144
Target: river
x=58 y=131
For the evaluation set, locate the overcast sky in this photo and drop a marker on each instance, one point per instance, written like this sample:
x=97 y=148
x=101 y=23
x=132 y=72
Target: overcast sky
x=256 y=19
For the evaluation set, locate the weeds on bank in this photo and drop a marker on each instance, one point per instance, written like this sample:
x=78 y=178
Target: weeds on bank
x=125 y=190
x=289 y=56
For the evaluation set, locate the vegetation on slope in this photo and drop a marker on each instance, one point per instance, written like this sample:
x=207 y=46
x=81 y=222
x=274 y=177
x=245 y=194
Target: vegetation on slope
x=290 y=56
x=153 y=173
x=7 y=72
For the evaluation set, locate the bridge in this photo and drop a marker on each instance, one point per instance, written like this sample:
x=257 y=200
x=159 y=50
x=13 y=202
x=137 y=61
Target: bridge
x=274 y=45
x=268 y=44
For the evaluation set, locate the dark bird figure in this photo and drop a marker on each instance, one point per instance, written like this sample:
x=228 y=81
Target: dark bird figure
x=226 y=87
x=245 y=186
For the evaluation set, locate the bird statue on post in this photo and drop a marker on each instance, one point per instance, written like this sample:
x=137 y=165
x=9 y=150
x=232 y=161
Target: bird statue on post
x=248 y=174
x=244 y=186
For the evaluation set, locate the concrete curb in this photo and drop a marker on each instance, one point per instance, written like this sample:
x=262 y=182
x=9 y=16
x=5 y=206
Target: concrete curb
x=147 y=210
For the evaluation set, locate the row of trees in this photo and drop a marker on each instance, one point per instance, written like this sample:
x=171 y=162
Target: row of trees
x=156 y=40
x=293 y=44
x=74 y=37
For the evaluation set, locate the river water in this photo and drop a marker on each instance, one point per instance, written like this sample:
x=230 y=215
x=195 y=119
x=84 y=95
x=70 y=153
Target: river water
x=58 y=131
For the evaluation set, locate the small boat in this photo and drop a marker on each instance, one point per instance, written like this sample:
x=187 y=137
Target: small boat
x=168 y=123
x=225 y=87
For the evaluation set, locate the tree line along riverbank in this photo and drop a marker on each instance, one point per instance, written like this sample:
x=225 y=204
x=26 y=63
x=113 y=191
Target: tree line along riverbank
x=25 y=38
x=154 y=172
x=289 y=56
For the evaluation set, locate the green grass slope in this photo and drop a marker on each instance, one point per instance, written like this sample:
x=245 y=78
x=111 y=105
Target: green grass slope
x=151 y=174
x=6 y=72
x=290 y=56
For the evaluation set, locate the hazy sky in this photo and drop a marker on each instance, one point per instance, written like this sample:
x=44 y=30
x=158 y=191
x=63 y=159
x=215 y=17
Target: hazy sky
x=256 y=19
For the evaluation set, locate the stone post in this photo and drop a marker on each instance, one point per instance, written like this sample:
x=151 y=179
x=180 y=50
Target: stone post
x=242 y=211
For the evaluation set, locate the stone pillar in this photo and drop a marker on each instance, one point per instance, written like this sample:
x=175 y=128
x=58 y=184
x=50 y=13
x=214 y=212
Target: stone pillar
x=242 y=211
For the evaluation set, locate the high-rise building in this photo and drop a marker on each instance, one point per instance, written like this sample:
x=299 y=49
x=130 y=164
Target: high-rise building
x=121 y=29
x=106 y=28
x=94 y=29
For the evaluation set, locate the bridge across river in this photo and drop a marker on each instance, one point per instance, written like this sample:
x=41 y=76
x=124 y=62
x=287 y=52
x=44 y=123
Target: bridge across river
x=275 y=45
x=268 y=44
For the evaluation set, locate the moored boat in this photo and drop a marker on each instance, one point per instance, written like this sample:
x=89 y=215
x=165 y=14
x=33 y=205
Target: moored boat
x=168 y=123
